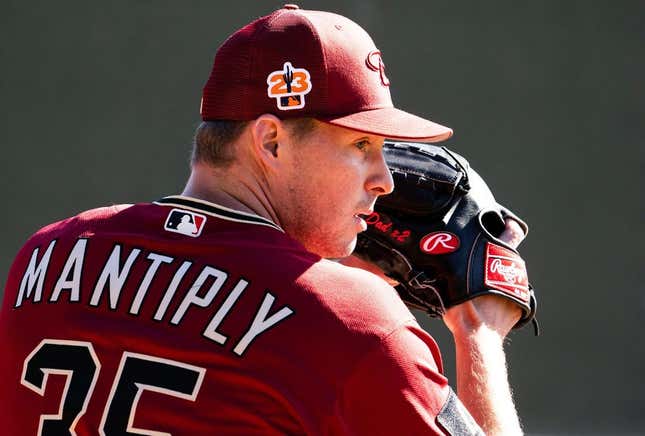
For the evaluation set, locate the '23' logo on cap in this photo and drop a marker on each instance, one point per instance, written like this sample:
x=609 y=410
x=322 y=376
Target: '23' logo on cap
x=289 y=86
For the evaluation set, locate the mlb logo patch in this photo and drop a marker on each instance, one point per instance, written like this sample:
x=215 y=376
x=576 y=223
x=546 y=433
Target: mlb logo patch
x=185 y=222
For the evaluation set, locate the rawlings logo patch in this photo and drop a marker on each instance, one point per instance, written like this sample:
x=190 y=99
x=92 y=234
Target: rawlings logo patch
x=289 y=87
x=439 y=243
x=506 y=271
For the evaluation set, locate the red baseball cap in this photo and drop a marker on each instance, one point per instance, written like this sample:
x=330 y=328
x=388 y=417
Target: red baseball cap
x=301 y=63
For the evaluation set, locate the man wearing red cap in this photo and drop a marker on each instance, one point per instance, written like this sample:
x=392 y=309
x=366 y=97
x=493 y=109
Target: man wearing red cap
x=216 y=311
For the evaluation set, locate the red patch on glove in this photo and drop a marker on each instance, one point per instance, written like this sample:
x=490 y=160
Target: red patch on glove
x=506 y=271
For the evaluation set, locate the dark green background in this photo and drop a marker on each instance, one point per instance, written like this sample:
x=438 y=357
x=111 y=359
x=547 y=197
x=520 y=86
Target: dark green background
x=99 y=101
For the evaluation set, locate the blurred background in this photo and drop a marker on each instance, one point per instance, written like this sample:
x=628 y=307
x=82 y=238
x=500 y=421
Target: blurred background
x=547 y=99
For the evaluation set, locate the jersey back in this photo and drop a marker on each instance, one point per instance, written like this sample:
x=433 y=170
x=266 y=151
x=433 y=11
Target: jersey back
x=185 y=317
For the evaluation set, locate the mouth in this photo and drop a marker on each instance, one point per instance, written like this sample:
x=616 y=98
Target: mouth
x=364 y=214
x=360 y=218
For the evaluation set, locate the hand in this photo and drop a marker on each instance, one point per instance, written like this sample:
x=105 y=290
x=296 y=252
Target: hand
x=494 y=312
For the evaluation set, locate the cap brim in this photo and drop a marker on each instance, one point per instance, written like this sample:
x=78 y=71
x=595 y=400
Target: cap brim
x=393 y=123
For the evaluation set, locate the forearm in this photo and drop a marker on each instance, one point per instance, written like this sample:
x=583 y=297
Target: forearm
x=482 y=381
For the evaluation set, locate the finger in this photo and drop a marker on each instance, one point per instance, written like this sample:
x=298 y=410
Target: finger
x=513 y=234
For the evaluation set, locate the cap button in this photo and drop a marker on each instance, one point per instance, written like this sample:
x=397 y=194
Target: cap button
x=290 y=6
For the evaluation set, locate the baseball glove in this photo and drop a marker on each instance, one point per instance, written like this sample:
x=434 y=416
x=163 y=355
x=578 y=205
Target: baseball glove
x=437 y=234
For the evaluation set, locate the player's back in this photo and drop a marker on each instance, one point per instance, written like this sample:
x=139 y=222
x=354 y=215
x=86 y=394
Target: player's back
x=181 y=317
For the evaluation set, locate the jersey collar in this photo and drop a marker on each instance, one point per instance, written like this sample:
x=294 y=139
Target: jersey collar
x=216 y=210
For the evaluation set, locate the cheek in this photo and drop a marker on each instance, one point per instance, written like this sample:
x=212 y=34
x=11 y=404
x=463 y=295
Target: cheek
x=326 y=216
x=327 y=189
x=338 y=184
x=349 y=176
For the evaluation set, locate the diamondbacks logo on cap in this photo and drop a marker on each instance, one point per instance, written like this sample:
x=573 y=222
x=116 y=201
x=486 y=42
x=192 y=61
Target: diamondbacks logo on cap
x=374 y=62
x=185 y=222
x=289 y=86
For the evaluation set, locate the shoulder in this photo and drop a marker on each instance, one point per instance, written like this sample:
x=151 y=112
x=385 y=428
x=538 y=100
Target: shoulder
x=64 y=232
x=357 y=298
x=73 y=226
x=57 y=237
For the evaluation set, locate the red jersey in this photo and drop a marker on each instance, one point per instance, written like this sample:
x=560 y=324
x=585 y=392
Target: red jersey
x=183 y=317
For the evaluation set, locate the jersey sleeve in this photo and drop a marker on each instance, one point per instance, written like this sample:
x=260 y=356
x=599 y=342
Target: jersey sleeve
x=396 y=388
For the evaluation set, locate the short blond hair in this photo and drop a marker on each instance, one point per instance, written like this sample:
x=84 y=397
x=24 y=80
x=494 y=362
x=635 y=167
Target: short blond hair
x=212 y=140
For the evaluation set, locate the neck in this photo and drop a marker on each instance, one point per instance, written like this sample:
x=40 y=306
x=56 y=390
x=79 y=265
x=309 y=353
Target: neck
x=231 y=187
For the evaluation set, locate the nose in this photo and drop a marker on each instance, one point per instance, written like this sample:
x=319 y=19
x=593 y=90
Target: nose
x=380 y=181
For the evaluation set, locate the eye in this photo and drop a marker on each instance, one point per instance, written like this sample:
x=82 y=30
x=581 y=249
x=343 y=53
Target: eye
x=362 y=144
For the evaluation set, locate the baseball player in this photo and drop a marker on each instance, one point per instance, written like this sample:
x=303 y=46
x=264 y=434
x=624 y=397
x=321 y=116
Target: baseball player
x=216 y=311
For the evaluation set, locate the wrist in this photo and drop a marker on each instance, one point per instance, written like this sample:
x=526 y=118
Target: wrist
x=482 y=333
x=484 y=313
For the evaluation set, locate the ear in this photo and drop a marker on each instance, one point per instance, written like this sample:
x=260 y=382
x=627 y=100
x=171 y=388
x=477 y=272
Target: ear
x=267 y=130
